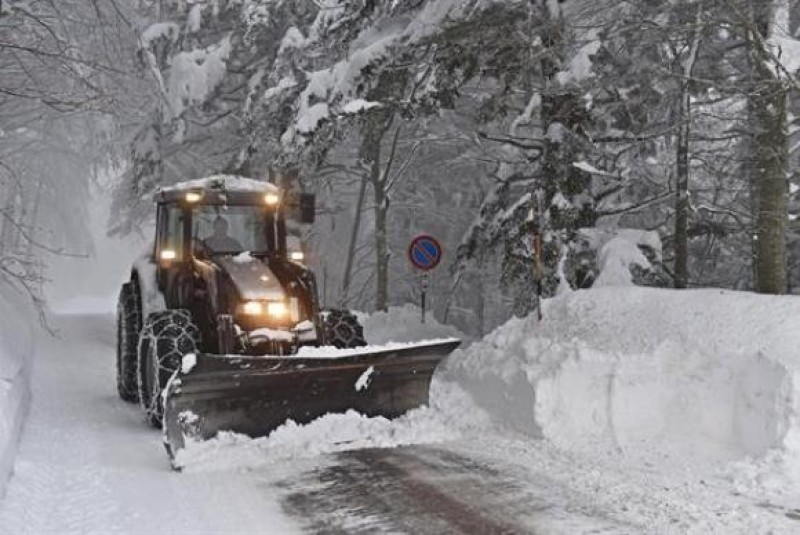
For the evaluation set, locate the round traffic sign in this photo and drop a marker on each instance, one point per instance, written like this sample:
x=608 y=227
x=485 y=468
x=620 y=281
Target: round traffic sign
x=424 y=252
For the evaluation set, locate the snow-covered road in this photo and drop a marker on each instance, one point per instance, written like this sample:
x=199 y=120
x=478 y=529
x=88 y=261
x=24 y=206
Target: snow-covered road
x=88 y=464
x=435 y=489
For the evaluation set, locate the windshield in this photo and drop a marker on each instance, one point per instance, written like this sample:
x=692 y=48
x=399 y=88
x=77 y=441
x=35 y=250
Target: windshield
x=230 y=229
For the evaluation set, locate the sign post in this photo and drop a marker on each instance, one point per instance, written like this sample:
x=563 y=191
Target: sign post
x=424 y=253
x=425 y=278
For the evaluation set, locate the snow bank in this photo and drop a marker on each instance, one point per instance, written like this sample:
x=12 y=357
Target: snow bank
x=638 y=370
x=16 y=349
x=404 y=324
x=450 y=415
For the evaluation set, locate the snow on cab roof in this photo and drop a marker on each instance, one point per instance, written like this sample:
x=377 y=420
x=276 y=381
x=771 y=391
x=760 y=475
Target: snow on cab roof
x=223 y=182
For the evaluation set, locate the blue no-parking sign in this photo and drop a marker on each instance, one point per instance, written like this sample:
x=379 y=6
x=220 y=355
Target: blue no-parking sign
x=425 y=252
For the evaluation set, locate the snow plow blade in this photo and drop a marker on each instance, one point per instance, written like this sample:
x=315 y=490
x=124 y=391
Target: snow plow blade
x=255 y=395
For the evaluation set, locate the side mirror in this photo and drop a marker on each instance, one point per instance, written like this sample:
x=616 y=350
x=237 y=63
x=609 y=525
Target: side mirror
x=308 y=208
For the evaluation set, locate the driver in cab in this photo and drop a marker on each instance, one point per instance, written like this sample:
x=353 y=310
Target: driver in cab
x=220 y=241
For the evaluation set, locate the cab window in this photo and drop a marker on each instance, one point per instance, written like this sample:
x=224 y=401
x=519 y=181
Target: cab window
x=169 y=245
x=231 y=229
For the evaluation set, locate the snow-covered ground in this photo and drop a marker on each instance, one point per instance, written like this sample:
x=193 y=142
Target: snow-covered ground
x=16 y=352
x=87 y=463
x=670 y=411
x=626 y=410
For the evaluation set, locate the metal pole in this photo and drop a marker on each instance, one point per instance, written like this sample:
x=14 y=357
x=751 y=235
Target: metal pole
x=424 y=292
x=325 y=285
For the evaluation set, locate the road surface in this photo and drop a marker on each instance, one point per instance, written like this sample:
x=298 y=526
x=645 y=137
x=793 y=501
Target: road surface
x=432 y=489
x=88 y=464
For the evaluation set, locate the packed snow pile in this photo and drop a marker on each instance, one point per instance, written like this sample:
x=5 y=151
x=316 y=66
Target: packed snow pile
x=451 y=414
x=404 y=324
x=16 y=350
x=637 y=370
x=329 y=352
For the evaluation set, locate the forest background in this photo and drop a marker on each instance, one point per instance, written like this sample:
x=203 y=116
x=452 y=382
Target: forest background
x=646 y=142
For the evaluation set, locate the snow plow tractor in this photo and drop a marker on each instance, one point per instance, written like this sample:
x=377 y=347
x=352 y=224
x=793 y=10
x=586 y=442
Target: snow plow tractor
x=220 y=327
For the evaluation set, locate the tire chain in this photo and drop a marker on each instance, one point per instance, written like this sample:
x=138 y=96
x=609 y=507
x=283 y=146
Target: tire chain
x=168 y=335
x=342 y=329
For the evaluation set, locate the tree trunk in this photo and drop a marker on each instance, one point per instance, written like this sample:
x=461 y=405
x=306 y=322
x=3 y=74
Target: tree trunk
x=381 y=247
x=770 y=150
x=769 y=155
x=682 y=193
x=351 y=248
x=376 y=127
x=684 y=121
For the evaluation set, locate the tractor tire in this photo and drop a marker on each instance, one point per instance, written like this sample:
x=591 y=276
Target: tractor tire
x=166 y=337
x=342 y=329
x=129 y=323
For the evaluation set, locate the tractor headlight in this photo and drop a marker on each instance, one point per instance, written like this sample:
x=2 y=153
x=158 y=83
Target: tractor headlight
x=193 y=196
x=253 y=308
x=271 y=199
x=168 y=255
x=277 y=309
x=297 y=256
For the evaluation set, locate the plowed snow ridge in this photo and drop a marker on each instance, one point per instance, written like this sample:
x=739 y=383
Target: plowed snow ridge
x=645 y=372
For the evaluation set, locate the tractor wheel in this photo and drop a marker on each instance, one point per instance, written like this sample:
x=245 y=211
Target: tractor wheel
x=342 y=329
x=129 y=322
x=166 y=337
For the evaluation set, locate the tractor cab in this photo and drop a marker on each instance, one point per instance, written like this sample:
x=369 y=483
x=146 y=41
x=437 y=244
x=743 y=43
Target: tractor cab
x=221 y=252
x=226 y=216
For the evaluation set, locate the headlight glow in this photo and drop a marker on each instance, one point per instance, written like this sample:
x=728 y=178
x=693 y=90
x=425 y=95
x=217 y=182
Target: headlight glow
x=271 y=199
x=193 y=196
x=277 y=309
x=297 y=256
x=168 y=254
x=253 y=308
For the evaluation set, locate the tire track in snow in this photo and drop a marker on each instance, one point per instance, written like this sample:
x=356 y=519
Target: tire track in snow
x=423 y=489
x=58 y=431
x=88 y=464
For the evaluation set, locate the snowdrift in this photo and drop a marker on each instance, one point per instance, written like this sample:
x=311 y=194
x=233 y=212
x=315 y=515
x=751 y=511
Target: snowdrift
x=402 y=324
x=706 y=372
x=16 y=350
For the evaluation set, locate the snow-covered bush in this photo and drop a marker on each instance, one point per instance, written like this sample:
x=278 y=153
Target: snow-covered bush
x=404 y=324
x=615 y=257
